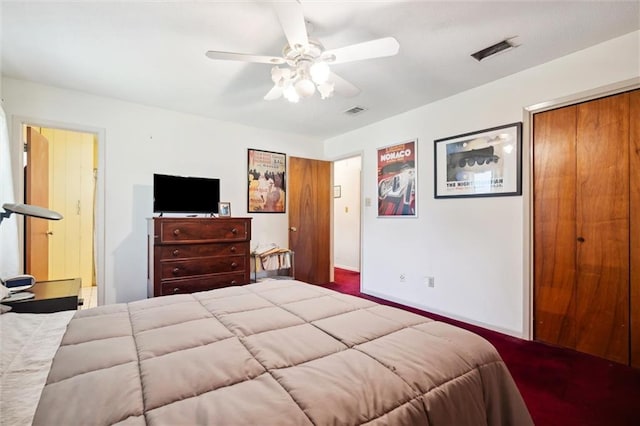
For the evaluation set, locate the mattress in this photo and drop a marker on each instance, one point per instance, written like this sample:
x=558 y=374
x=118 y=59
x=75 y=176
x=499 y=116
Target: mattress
x=278 y=352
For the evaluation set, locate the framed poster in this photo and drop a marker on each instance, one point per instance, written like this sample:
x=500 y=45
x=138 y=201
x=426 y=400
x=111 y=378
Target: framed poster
x=266 y=182
x=397 y=180
x=486 y=163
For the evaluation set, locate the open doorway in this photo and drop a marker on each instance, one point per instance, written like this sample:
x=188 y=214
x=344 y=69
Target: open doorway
x=346 y=216
x=61 y=174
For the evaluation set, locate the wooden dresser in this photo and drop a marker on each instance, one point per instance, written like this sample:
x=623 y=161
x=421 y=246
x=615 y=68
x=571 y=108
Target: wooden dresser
x=195 y=254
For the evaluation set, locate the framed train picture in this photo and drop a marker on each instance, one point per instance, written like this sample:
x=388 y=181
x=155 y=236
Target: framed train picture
x=487 y=163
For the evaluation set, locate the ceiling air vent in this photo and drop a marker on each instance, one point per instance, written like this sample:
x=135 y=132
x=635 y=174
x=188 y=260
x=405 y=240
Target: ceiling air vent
x=493 y=49
x=355 y=110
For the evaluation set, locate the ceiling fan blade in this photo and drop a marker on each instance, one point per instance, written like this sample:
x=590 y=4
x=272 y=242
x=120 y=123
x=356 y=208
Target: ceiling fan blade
x=378 y=48
x=292 y=21
x=343 y=87
x=245 y=57
x=274 y=93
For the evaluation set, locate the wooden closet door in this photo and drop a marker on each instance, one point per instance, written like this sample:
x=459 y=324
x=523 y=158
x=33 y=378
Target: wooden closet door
x=586 y=227
x=554 y=173
x=602 y=226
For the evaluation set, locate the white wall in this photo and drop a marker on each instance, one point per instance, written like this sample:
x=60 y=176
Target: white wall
x=346 y=214
x=137 y=141
x=476 y=248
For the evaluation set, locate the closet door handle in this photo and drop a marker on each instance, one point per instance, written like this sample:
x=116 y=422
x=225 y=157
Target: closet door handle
x=581 y=239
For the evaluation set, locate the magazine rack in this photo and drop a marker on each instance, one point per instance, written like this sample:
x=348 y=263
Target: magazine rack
x=275 y=256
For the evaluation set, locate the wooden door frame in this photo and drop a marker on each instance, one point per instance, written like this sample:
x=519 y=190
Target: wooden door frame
x=360 y=200
x=527 y=181
x=17 y=140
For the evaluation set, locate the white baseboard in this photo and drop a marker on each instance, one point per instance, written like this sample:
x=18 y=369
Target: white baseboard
x=347 y=268
x=428 y=309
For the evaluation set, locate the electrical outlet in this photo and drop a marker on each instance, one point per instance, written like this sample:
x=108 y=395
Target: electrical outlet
x=403 y=278
x=431 y=282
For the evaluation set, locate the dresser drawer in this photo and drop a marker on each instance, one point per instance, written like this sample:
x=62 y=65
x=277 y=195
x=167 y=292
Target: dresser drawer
x=190 y=285
x=183 y=251
x=202 y=266
x=203 y=230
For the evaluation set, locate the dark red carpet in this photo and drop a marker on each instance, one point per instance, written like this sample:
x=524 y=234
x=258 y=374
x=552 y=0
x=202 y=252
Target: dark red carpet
x=560 y=386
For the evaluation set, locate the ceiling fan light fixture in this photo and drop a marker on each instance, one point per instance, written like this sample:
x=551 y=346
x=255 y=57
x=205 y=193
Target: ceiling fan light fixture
x=291 y=94
x=276 y=74
x=305 y=88
x=326 y=90
x=320 y=72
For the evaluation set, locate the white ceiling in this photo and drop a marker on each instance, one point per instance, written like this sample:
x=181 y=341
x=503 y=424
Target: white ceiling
x=153 y=52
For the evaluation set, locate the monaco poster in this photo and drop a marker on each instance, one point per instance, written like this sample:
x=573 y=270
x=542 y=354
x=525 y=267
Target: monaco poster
x=397 y=180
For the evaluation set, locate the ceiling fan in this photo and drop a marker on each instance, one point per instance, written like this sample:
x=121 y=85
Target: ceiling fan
x=305 y=64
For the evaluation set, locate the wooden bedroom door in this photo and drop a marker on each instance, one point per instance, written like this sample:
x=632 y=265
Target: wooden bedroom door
x=36 y=260
x=634 y=208
x=582 y=227
x=310 y=219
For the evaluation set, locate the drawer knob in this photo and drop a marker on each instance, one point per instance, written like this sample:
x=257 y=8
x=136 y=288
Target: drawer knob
x=175 y=271
x=233 y=249
x=234 y=265
x=234 y=231
x=175 y=290
x=176 y=232
x=233 y=282
x=176 y=252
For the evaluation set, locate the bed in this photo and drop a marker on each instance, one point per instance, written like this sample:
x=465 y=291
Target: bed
x=278 y=352
x=28 y=343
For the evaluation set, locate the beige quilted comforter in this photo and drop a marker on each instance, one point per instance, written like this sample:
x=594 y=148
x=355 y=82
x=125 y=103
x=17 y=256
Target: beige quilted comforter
x=273 y=353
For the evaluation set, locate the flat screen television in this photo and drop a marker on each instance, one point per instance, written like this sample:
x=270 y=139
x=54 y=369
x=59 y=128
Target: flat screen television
x=185 y=194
